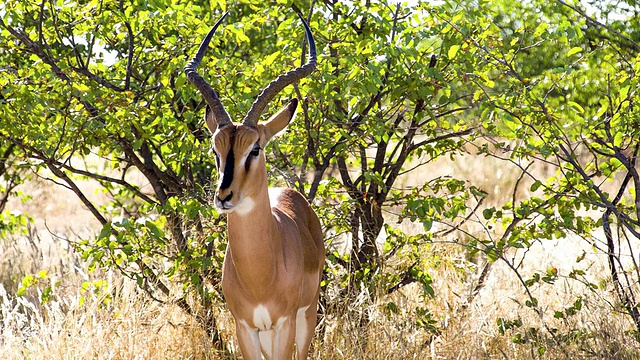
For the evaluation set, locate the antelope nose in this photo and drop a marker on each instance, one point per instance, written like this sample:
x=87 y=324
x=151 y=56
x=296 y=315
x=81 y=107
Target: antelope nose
x=226 y=198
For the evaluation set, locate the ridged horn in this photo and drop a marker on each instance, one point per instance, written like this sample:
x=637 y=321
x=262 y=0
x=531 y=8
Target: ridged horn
x=210 y=96
x=274 y=87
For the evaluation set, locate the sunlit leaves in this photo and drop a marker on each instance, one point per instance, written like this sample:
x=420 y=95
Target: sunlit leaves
x=453 y=50
x=574 y=50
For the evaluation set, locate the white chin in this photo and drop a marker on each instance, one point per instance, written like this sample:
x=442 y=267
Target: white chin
x=242 y=208
x=224 y=210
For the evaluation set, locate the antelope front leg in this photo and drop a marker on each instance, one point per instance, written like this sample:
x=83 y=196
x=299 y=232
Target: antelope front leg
x=249 y=341
x=283 y=340
x=305 y=328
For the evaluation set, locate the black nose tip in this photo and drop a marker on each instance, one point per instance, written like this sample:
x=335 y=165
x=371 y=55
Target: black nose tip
x=227 y=198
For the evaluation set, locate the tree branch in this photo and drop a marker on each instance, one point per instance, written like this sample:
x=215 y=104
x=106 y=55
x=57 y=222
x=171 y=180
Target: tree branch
x=598 y=23
x=127 y=79
x=98 y=79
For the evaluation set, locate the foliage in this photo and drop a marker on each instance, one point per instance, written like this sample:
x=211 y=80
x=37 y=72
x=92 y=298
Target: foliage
x=558 y=91
x=99 y=83
x=95 y=90
x=12 y=174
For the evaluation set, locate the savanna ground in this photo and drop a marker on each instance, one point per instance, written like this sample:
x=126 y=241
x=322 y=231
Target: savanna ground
x=103 y=316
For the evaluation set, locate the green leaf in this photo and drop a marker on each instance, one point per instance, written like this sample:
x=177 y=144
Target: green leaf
x=453 y=50
x=541 y=350
x=541 y=28
x=221 y=3
x=492 y=254
x=604 y=106
x=106 y=231
x=488 y=213
x=576 y=106
x=622 y=94
x=155 y=230
x=427 y=224
x=26 y=283
x=241 y=37
x=574 y=50
x=533 y=302
x=535 y=186
x=617 y=139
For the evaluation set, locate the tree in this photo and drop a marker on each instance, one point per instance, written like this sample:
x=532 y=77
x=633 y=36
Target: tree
x=555 y=86
x=365 y=120
x=65 y=105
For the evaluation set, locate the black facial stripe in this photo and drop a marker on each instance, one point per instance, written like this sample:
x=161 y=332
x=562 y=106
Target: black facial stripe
x=227 y=174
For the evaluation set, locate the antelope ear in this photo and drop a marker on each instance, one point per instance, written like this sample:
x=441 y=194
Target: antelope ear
x=280 y=120
x=210 y=120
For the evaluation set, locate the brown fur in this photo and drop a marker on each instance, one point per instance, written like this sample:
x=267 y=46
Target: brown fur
x=275 y=254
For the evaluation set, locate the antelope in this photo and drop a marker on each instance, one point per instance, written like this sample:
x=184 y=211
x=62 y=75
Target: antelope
x=275 y=255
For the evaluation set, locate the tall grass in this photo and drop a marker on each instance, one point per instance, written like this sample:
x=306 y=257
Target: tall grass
x=128 y=327
x=120 y=322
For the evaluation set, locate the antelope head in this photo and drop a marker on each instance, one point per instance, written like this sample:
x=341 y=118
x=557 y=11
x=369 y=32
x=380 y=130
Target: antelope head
x=238 y=147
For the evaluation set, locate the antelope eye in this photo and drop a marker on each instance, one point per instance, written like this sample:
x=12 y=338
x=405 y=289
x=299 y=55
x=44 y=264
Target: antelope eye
x=255 y=151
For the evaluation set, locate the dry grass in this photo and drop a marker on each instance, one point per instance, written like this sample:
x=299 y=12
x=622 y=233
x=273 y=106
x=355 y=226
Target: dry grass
x=119 y=322
x=129 y=327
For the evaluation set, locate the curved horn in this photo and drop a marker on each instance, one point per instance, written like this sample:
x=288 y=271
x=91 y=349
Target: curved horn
x=210 y=96
x=274 y=87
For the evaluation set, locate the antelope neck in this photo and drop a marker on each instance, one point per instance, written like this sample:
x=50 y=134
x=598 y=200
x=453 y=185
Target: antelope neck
x=252 y=241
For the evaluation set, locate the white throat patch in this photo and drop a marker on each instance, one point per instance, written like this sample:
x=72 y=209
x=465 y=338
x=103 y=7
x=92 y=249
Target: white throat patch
x=244 y=206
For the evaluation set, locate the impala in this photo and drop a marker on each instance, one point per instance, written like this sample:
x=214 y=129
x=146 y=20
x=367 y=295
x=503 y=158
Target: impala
x=274 y=259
